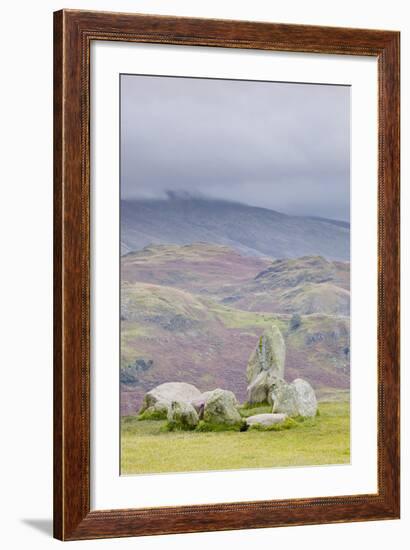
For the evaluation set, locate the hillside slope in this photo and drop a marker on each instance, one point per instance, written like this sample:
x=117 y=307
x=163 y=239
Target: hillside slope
x=250 y=230
x=193 y=313
x=306 y=285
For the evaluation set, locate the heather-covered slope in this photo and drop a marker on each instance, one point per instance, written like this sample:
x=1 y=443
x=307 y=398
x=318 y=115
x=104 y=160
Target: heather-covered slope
x=201 y=268
x=193 y=313
x=306 y=285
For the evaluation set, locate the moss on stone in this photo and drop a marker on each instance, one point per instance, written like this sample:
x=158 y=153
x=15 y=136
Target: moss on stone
x=152 y=415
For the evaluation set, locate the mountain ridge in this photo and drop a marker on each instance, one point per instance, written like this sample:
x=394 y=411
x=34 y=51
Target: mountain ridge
x=252 y=230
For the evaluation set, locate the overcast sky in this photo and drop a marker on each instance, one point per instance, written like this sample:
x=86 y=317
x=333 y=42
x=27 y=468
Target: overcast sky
x=277 y=145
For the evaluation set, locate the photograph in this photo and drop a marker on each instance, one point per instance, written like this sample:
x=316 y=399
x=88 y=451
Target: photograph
x=234 y=274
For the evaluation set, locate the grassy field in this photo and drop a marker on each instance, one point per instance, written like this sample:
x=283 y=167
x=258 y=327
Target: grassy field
x=147 y=448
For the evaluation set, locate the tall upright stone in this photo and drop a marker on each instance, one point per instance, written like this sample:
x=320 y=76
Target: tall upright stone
x=266 y=364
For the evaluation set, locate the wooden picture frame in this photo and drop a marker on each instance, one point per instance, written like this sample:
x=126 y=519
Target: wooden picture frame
x=74 y=32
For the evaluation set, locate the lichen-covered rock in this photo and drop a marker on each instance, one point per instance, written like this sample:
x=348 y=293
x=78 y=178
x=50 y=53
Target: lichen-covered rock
x=295 y=399
x=265 y=365
x=161 y=397
x=157 y=411
x=306 y=397
x=221 y=407
x=283 y=398
x=269 y=355
x=182 y=416
x=266 y=420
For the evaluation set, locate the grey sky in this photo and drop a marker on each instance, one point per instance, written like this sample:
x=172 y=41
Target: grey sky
x=277 y=145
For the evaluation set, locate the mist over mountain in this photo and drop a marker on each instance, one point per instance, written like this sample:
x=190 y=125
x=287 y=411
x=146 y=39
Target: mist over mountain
x=182 y=218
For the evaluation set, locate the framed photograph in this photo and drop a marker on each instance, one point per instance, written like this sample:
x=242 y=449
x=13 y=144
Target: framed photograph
x=226 y=275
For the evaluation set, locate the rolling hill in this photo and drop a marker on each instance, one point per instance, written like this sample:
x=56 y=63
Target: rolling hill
x=310 y=284
x=194 y=312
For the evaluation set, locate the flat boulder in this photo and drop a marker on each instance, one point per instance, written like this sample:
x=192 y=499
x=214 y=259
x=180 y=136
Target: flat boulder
x=182 y=416
x=161 y=397
x=221 y=407
x=266 y=420
x=295 y=399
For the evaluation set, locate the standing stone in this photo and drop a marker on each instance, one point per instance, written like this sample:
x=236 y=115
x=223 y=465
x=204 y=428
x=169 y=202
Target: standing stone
x=266 y=364
x=257 y=389
x=221 y=407
x=182 y=416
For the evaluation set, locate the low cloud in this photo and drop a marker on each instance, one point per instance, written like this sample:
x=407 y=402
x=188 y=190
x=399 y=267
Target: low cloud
x=277 y=145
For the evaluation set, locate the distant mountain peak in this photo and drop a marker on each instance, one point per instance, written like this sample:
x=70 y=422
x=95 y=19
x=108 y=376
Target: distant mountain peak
x=184 y=219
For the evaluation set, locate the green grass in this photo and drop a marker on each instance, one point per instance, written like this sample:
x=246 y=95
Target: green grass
x=250 y=409
x=210 y=427
x=237 y=318
x=147 y=448
x=150 y=415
